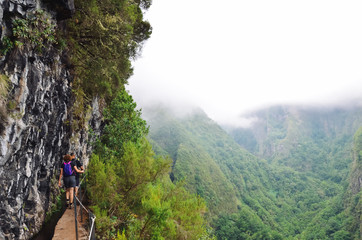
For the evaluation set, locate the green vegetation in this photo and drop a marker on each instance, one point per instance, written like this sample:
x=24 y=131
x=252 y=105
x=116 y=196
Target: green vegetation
x=129 y=187
x=298 y=192
x=192 y=163
x=244 y=225
x=358 y=147
x=353 y=200
x=37 y=29
x=103 y=37
x=124 y=124
x=6 y=45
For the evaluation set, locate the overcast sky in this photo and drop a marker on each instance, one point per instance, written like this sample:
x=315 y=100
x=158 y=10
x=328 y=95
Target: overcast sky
x=232 y=56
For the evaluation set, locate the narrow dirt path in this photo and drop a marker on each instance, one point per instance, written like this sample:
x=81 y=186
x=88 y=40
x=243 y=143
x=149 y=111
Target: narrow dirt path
x=65 y=229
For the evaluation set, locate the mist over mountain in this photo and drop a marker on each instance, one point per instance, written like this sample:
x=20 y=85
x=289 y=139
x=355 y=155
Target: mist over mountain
x=286 y=176
x=244 y=114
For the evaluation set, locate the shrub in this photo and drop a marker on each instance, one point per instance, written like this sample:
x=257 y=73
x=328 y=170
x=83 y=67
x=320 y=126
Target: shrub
x=6 y=45
x=36 y=29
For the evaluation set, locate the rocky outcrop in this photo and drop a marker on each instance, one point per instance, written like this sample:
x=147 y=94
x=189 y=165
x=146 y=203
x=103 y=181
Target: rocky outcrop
x=38 y=129
x=63 y=9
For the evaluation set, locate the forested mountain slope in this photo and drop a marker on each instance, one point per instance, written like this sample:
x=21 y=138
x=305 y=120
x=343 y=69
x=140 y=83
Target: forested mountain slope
x=354 y=195
x=192 y=163
x=313 y=140
x=297 y=192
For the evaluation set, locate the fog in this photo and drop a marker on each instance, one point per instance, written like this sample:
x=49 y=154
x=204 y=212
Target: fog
x=234 y=56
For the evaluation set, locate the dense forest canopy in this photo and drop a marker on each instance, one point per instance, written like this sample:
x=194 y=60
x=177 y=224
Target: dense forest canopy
x=298 y=191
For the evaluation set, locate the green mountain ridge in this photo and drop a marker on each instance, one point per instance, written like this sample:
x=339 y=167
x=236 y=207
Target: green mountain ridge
x=293 y=189
x=191 y=162
x=308 y=140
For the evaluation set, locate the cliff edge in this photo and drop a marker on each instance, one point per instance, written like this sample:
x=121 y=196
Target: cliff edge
x=35 y=120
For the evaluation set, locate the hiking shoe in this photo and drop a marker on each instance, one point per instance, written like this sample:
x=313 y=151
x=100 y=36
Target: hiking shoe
x=70 y=205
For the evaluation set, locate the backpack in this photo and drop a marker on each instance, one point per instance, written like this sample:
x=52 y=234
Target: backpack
x=68 y=171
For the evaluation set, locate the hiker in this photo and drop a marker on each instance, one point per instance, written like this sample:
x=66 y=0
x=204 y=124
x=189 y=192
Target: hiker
x=67 y=171
x=79 y=165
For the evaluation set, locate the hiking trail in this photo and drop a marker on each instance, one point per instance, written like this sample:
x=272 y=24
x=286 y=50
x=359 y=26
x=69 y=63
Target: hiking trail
x=65 y=228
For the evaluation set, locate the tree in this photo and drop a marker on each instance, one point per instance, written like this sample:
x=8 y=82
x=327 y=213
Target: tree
x=123 y=124
x=103 y=36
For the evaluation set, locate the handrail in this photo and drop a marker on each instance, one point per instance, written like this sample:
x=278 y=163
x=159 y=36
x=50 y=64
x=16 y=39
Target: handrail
x=91 y=230
x=80 y=203
x=91 y=233
x=82 y=180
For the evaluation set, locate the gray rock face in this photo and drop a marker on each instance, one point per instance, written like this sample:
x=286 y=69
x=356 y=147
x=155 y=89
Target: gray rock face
x=38 y=131
x=19 y=6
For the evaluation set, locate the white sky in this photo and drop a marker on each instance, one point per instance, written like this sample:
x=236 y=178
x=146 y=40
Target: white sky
x=232 y=56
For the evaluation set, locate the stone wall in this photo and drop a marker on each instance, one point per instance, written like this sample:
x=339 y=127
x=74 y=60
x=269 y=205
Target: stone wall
x=37 y=133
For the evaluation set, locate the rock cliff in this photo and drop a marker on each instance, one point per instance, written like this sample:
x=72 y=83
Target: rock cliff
x=36 y=131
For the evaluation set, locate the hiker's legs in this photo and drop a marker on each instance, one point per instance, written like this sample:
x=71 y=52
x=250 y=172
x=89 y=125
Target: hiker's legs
x=76 y=185
x=71 y=185
x=67 y=194
x=71 y=195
